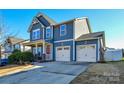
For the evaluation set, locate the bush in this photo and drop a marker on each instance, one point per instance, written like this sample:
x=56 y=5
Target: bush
x=11 y=59
x=18 y=57
x=14 y=58
x=16 y=50
x=21 y=57
x=27 y=57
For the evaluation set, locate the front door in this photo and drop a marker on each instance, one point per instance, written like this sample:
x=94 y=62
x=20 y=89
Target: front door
x=49 y=52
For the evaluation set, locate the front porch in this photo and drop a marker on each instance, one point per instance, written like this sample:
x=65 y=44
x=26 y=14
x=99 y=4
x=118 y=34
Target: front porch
x=43 y=51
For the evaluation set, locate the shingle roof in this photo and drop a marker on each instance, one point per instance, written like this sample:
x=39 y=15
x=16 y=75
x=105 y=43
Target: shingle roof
x=91 y=35
x=15 y=40
x=50 y=20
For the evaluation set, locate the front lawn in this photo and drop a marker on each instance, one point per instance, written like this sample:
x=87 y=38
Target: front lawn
x=102 y=73
x=10 y=69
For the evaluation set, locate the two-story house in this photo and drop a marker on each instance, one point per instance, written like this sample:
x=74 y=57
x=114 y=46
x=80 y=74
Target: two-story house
x=12 y=43
x=71 y=40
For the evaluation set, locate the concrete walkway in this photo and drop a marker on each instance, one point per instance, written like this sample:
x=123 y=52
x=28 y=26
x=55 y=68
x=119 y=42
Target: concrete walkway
x=52 y=73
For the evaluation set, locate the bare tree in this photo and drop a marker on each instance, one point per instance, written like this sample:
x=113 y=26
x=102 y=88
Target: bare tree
x=4 y=32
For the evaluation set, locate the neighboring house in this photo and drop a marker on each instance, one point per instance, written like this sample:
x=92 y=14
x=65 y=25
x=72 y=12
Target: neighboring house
x=71 y=40
x=13 y=43
x=2 y=52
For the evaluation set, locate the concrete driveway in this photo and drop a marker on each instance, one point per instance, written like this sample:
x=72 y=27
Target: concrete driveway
x=52 y=73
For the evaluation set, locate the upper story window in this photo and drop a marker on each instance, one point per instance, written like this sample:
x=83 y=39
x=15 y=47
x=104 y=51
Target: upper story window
x=48 y=32
x=36 y=34
x=62 y=30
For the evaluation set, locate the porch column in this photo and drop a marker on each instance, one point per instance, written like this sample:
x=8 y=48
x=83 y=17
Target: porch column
x=36 y=48
x=23 y=48
x=43 y=47
x=43 y=42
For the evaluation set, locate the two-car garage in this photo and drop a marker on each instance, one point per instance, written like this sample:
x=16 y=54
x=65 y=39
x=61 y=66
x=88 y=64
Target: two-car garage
x=86 y=48
x=83 y=53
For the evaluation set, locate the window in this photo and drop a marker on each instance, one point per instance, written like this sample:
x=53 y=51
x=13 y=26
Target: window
x=17 y=46
x=59 y=48
x=36 y=34
x=33 y=35
x=62 y=30
x=66 y=48
x=48 y=32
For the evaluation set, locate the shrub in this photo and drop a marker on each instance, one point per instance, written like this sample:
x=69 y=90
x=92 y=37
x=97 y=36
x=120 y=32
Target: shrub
x=21 y=57
x=16 y=50
x=14 y=58
x=27 y=57
x=18 y=57
x=11 y=59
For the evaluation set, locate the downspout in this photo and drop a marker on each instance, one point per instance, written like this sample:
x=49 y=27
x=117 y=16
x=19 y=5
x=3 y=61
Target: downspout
x=101 y=50
x=74 y=40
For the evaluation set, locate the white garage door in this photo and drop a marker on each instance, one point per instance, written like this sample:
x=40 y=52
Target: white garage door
x=63 y=53
x=86 y=53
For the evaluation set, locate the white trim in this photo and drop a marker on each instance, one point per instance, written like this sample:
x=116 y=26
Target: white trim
x=98 y=50
x=87 y=39
x=63 y=30
x=36 y=30
x=63 y=40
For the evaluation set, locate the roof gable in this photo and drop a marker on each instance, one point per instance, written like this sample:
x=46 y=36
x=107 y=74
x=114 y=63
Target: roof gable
x=13 y=40
x=43 y=20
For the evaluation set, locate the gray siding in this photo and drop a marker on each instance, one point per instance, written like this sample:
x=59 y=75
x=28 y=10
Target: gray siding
x=69 y=32
x=36 y=26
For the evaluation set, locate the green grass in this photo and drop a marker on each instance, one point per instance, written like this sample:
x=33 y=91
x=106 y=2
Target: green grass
x=123 y=59
x=115 y=62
